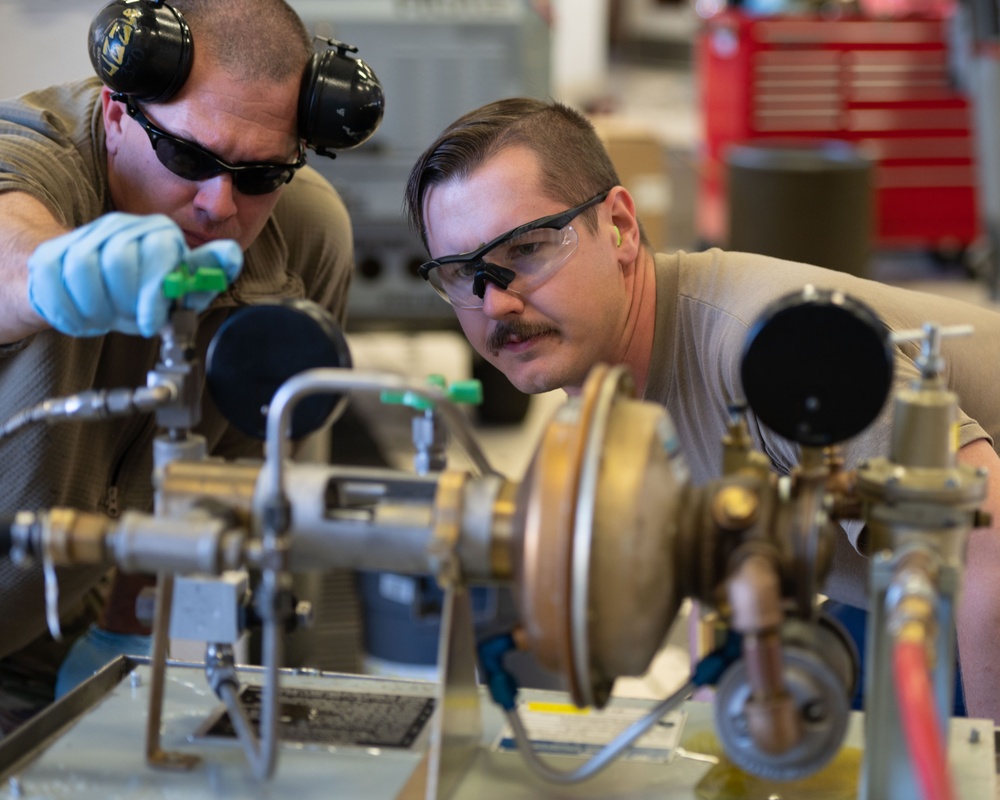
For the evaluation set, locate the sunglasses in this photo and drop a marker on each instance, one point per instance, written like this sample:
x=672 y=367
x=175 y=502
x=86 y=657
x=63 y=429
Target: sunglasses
x=192 y=162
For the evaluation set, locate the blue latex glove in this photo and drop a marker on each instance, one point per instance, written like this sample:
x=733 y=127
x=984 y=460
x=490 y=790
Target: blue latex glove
x=92 y=651
x=108 y=274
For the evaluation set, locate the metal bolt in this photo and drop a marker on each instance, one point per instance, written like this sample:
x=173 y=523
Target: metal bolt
x=735 y=508
x=740 y=724
x=814 y=711
x=974 y=736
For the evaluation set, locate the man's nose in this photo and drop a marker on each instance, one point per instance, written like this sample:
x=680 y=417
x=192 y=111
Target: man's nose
x=216 y=197
x=498 y=303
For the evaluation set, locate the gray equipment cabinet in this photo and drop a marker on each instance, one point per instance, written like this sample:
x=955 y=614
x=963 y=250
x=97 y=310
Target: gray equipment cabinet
x=437 y=59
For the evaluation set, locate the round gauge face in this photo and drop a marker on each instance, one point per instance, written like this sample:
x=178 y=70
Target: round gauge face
x=817 y=367
x=260 y=347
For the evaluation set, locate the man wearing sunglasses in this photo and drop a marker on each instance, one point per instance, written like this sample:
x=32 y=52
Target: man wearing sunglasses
x=537 y=247
x=101 y=195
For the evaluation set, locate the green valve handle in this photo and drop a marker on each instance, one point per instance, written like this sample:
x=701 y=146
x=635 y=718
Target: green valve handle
x=464 y=392
x=468 y=393
x=182 y=282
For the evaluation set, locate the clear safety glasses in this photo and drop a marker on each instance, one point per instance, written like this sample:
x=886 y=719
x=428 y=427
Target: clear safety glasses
x=516 y=261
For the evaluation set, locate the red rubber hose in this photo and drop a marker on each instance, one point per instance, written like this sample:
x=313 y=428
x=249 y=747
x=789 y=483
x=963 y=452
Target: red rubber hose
x=920 y=720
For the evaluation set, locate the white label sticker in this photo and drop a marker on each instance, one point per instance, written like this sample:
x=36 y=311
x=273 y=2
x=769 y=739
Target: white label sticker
x=564 y=729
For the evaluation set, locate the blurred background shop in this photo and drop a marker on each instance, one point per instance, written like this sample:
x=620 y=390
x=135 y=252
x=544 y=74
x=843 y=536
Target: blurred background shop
x=856 y=135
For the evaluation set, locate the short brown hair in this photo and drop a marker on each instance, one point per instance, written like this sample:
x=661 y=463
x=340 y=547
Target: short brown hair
x=574 y=164
x=253 y=40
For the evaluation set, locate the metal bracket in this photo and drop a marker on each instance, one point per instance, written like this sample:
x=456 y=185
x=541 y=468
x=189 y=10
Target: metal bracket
x=456 y=728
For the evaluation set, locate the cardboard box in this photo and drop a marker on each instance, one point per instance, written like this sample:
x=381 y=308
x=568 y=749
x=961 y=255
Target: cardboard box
x=641 y=161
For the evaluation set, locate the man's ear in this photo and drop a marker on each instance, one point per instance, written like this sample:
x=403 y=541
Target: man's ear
x=114 y=113
x=624 y=219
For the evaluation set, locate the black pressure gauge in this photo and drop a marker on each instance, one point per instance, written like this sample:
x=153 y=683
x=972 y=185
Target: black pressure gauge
x=817 y=367
x=260 y=347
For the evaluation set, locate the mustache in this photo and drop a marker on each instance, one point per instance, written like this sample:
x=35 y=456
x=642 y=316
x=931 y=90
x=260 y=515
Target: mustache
x=515 y=329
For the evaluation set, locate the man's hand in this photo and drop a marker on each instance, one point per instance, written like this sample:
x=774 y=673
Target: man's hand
x=108 y=275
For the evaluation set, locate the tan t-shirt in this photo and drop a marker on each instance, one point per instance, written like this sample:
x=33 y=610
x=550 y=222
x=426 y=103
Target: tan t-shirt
x=52 y=146
x=706 y=304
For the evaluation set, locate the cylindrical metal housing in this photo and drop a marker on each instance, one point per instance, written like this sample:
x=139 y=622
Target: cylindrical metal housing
x=383 y=520
x=924 y=432
x=361 y=519
x=145 y=543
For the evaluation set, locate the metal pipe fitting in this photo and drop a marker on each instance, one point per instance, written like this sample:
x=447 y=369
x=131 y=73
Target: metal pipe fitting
x=754 y=593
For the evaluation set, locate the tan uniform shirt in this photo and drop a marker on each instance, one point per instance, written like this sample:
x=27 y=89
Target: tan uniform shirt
x=52 y=146
x=706 y=304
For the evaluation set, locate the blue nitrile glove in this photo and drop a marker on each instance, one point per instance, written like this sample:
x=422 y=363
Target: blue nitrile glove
x=108 y=274
x=92 y=651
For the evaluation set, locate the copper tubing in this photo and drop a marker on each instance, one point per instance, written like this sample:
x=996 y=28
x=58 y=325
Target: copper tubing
x=755 y=600
x=754 y=594
x=772 y=716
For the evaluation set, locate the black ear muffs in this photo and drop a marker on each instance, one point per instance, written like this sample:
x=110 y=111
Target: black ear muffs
x=341 y=101
x=142 y=48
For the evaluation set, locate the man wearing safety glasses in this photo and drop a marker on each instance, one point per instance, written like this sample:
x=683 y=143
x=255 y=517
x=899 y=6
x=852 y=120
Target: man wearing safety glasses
x=536 y=245
x=102 y=193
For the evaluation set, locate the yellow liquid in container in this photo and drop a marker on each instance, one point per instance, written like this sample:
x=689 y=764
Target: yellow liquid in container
x=838 y=780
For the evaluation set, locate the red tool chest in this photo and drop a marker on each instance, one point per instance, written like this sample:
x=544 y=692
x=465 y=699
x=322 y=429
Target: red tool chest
x=882 y=85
